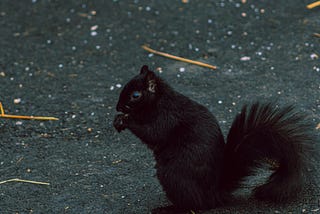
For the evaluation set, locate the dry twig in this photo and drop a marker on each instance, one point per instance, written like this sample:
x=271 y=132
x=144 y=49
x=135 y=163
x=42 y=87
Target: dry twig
x=24 y=181
x=3 y=115
x=317 y=35
x=145 y=47
x=313 y=5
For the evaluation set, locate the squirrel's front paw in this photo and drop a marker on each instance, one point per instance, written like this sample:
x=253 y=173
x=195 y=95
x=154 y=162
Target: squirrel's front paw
x=119 y=122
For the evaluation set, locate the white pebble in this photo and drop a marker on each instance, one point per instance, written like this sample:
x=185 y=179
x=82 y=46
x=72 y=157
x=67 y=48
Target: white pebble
x=314 y=56
x=245 y=58
x=112 y=88
x=182 y=69
x=17 y=101
x=19 y=123
x=94 y=27
x=118 y=85
x=94 y=33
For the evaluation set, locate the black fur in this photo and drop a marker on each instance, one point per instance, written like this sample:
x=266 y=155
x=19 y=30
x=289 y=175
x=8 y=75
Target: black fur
x=267 y=132
x=196 y=169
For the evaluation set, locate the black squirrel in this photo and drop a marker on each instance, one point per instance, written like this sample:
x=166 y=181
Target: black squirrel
x=196 y=168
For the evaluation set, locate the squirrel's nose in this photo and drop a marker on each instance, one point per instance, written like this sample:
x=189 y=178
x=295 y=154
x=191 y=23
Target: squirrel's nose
x=119 y=108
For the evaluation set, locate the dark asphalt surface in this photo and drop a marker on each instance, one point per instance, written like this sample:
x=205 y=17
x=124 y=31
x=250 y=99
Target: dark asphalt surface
x=69 y=59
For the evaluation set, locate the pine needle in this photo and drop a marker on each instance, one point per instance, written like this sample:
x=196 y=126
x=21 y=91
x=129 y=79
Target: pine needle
x=313 y=5
x=24 y=181
x=145 y=47
x=9 y=116
x=317 y=35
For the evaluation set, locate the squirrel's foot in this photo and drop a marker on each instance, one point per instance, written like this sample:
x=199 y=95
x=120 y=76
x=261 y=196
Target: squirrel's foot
x=120 y=122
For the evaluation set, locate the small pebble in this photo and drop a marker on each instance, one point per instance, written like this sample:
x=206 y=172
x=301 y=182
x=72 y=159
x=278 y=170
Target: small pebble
x=19 y=123
x=118 y=85
x=93 y=33
x=159 y=69
x=314 y=56
x=245 y=58
x=94 y=27
x=17 y=101
x=182 y=69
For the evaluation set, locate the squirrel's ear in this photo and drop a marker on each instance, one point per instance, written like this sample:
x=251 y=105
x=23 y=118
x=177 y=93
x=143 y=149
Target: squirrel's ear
x=151 y=81
x=144 y=69
x=150 y=78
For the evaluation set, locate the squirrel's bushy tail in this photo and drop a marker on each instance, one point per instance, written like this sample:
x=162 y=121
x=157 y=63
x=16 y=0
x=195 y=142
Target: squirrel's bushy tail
x=264 y=132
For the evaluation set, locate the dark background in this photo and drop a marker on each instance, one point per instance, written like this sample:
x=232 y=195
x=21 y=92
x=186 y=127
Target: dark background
x=69 y=59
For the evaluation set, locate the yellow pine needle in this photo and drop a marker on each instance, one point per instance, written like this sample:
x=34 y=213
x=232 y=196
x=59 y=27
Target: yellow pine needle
x=313 y=5
x=3 y=115
x=145 y=47
x=24 y=181
x=317 y=35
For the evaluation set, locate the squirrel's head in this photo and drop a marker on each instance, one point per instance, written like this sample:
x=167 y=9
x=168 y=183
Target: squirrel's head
x=139 y=93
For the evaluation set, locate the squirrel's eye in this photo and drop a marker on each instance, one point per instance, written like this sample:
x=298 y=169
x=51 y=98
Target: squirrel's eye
x=136 y=95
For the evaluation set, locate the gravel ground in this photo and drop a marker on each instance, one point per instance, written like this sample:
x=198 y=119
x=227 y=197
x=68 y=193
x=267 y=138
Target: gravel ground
x=70 y=59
